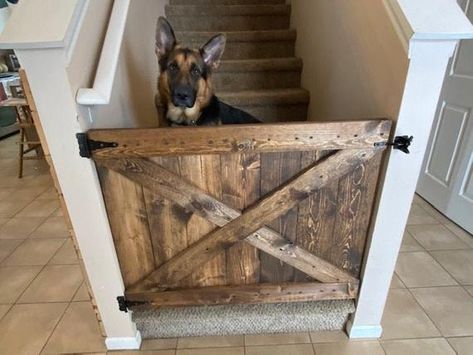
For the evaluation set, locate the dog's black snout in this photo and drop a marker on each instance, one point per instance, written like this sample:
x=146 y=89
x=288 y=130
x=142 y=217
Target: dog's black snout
x=183 y=96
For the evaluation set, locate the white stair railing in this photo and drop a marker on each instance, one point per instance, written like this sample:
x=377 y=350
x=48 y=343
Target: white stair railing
x=101 y=92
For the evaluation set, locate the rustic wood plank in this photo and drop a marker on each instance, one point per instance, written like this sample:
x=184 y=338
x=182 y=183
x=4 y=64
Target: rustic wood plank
x=192 y=199
x=204 y=176
x=129 y=224
x=241 y=138
x=276 y=169
x=248 y=294
x=240 y=185
x=353 y=213
x=267 y=209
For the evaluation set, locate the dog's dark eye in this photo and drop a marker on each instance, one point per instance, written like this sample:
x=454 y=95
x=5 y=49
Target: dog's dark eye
x=195 y=71
x=172 y=66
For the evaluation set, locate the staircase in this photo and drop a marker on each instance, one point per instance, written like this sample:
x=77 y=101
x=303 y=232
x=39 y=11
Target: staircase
x=259 y=72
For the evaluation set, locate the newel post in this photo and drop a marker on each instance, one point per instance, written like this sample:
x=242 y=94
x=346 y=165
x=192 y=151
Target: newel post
x=430 y=42
x=44 y=49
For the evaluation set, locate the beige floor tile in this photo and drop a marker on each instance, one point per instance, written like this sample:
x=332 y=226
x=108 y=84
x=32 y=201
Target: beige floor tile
x=4 y=309
x=66 y=255
x=53 y=227
x=276 y=339
x=20 y=228
x=211 y=342
x=419 y=269
x=14 y=280
x=396 y=282
x=328 y=336
x=215 y=351
x=58 y=213
x=469 y=289
x=6 y=192
x=349 y=348
x=28 y=193
x=293 y=349
x=410 y=244
x=82 y=294
x=418 y=215
x=39 y=208
x=3 y=220
x=436 y=237
x=78 y=331
x=159 y=344
x=450 y=308
x=404 y=318
x=26 y=328
x=9 y=208
x=460 y=233
x=34 y=252
x=463 y=346
x=7 y=247
x=459 y=263
x=433 y=346
x=55 y=283
x=138 y=352
x=49 y=194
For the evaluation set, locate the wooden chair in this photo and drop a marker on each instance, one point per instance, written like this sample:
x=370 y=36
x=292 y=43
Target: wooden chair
x=29 y=140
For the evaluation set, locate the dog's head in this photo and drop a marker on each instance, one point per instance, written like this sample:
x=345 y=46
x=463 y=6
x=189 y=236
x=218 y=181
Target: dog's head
x=184 y=85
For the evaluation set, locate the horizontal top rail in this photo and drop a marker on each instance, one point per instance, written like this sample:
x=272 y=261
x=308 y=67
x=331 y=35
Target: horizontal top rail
x=259 y=138
x=103 y=84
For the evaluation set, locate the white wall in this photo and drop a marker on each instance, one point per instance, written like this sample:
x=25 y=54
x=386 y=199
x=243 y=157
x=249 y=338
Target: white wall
x=355 y=65
x=132 y=101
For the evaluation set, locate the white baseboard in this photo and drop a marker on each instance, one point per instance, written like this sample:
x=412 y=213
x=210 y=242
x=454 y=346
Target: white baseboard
x=123 y=343
x=364 y=331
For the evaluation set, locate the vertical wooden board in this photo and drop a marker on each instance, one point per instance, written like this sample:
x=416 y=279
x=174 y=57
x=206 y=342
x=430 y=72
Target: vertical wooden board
x=276 y=169
x=354 y=205
x=167 y=229
x=240 y=188
x=128 y=220
x=203 y=172
x=317 y=216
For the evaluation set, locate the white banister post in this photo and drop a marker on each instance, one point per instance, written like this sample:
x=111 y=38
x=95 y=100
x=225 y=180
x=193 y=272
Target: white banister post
x=428 y=63
x=44 y=49
x=55 y=101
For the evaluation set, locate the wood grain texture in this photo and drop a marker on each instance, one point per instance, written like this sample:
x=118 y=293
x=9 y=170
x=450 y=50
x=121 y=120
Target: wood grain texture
x=129 y=223
x=353 y=213
x=248 y=294
x=240 y=186
x=192 y=199
x=279 y=137
x=276 y=169
x=203 y=172
x=267 y=209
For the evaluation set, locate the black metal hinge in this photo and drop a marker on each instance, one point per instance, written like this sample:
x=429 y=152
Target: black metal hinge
x=86 y=145
x=124 y=305
x=401 y=143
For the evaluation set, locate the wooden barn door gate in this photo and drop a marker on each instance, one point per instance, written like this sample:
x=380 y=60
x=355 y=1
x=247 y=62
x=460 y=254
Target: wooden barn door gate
x=239 y=214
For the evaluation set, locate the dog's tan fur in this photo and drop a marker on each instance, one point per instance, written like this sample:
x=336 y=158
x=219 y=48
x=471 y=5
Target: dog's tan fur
x=185 y=115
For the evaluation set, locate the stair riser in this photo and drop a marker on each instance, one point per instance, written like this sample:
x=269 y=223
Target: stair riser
x=253 y=50
x=227 y=2
x=237 y=81
x=229 y=23
x=277 y=113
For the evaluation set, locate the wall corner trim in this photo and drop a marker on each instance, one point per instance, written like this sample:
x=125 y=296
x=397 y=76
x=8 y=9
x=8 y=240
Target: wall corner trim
x=124 y=343
x=364 y=332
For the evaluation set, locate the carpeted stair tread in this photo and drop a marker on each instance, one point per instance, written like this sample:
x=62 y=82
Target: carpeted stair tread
x=265 y=97
x=239 y=36
x=255 y=65
x=227 y=10
x=226 y=2
x=242 y=319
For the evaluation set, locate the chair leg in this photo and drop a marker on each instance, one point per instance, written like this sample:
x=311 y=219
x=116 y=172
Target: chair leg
x=20 y=153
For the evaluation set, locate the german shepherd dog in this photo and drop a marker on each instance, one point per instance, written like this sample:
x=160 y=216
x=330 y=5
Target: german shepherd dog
x=185 y=84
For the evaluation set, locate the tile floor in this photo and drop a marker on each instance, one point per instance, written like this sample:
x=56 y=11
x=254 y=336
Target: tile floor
x=45 y=308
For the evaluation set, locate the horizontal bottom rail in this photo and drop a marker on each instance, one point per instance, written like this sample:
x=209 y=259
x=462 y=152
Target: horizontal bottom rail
x=246 y=294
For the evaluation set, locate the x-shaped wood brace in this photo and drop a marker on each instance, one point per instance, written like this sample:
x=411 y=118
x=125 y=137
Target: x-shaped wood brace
x=236 y=226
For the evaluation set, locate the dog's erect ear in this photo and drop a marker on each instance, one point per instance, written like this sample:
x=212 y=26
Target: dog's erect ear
x=212 y=51
x=165 y=38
